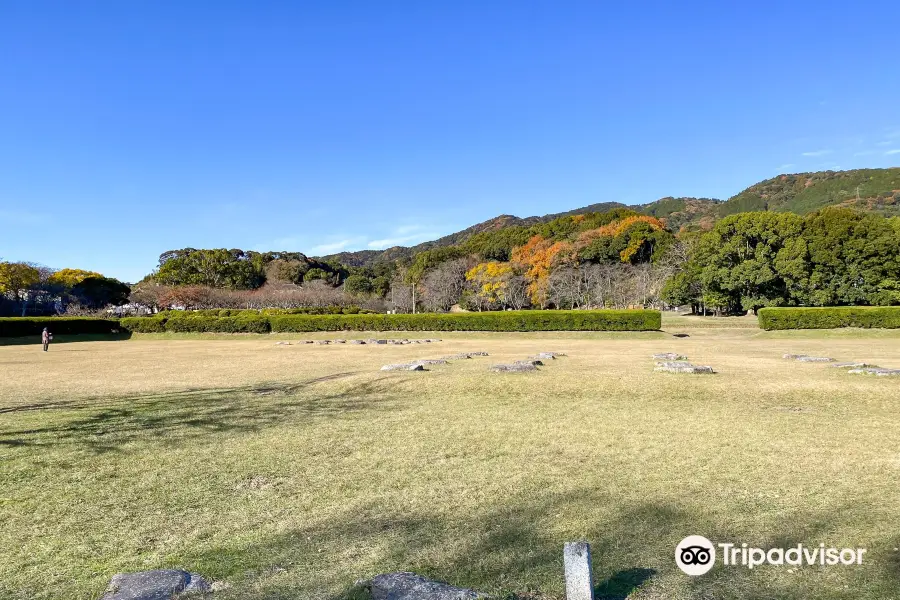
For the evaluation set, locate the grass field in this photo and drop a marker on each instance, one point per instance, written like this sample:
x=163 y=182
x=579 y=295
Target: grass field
x=289 y=472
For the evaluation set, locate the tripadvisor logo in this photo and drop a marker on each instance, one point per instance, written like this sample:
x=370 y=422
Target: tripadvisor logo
x=696 y=555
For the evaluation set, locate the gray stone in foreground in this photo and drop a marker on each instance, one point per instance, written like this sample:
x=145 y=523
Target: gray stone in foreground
x=686 y=368
x=673 y=363
x=431 y=361
x=409 y=586
x=579 y=578
x=464 y=355
x=357 y=342
x=549 y=355
x=878 y=371
x=669 y=356
x=850 y=365
x=513 y=368
x=815 y=359
x=531 y=361
x=792 y=356
x=163 y=584
x=282 y=343
x=323 y=342
x=404 y=367
x=340 y=341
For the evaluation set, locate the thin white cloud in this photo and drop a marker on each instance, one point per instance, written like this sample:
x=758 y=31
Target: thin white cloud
x=817 y=153
x=894 y=151
x=884 y=143
x=400 y=240
x=332 y=247
x=784 y=167
x=864 y=153
x=405 y=229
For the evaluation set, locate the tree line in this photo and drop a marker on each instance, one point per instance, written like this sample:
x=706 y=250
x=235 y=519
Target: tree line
x=616 y=259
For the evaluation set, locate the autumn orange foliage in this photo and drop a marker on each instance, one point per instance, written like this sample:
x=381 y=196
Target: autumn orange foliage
x=617 y=227
x=537 y=258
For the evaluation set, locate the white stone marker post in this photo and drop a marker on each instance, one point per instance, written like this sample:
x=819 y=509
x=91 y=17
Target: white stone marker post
x=579 y=578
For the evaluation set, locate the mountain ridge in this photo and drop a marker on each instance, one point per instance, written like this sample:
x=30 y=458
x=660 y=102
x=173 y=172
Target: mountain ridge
x=871 y=190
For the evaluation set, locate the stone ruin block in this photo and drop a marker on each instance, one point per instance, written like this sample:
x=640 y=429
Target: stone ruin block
x=669 y=356
x=673 y=363
x=686 y=368
x=404 y=367
x=877 y=371
x=323 y=342
x=356 y=342
x=409 y=586
x=531 y=361
x=513 y=368
x=431 y=361
x=162 y=584
x=850 y=365
x=814 y=359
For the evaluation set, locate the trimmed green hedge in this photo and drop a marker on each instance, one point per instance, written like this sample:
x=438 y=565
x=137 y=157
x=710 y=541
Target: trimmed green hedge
x=833 y=317
x=25 y=326
x=200 y=324
x=152 y=324
x=524 y=320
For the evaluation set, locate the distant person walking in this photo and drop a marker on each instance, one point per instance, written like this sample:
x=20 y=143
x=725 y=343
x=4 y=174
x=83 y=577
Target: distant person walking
x=45 y=339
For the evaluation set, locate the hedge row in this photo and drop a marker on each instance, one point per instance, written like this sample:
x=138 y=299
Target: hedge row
x=525 y=320
x=528 y=320
x=253 y=322
x=887 y=317
x=244 y=312
x=25 y=326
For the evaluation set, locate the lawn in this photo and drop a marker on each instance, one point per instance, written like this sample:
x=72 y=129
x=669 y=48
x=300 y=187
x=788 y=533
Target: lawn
x=290 y=472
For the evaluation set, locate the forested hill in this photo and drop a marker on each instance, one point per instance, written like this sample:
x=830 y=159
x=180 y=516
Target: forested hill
x=871 y=190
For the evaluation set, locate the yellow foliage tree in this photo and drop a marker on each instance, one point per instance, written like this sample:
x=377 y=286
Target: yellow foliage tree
x=71 y=277
x=490 y=280
x=18 y=278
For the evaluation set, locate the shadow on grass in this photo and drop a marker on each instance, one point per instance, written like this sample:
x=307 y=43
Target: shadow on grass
x=510 y=551
x=35 y=340
x=622 y=584
x=104 y=425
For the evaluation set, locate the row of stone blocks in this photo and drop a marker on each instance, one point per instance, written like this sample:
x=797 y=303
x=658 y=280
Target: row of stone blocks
x=518 y=366
x=390 y=342
x=858 y=368
x=172 y=584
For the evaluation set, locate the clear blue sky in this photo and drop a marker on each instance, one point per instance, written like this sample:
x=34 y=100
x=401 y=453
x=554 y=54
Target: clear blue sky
x=129 y=128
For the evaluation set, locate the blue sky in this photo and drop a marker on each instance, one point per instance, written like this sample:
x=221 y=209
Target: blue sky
x=130 y=128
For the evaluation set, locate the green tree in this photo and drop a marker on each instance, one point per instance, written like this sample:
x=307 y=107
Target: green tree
x=755 y=260
x=855 y=258
x=98 y=292
x=358 y=285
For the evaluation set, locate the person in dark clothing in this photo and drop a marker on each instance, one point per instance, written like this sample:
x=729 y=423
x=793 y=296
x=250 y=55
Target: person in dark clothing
x=45 y=339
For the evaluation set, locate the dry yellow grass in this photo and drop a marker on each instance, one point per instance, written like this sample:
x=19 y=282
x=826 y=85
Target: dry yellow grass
x=291 y=471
